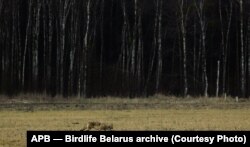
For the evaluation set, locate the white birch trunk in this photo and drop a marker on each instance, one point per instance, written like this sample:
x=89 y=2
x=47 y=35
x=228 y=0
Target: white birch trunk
x=86 y=50
x=225 y=41
x=64 y=11
x=183 y=32
x=26 y=42
x=35 y=47
x=218 y=79
x=200 y=11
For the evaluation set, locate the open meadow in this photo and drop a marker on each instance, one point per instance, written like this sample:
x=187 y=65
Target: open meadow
x=164 y=113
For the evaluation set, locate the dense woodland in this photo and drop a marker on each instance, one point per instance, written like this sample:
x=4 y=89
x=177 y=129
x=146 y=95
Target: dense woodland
x=126 y=48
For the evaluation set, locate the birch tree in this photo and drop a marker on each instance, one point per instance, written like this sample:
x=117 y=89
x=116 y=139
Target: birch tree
x=242 y=63
x=26 y=41
x=45 y=46
x=159 y=49
x=218 y=79
x=199 y=4
x=225 y=31
x=97 y=48
x=125 y=51
x=49 y=49
x=154 y=50
x=36 y=32
x=64 y=8
x=184 y=10
x=140 y=67
x=74 y=29
x=84 y=66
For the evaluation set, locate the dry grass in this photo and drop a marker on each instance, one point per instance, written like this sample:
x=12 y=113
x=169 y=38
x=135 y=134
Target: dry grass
x=36 y=98
x=41 y=102
x=153 y=113
x=14 y=124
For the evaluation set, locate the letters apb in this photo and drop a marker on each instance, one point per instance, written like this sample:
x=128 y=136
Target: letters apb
x=40 y=138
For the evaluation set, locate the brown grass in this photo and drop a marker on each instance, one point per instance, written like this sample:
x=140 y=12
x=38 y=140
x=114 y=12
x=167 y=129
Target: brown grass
x=14 y=124
x=181 y=114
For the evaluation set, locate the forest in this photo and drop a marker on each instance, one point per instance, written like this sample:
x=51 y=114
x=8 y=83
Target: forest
x=125 y=48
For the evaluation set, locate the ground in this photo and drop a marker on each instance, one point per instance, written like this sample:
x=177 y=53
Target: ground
x=160 y=113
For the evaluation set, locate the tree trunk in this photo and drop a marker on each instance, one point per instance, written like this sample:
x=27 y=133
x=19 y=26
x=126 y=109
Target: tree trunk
x=218 y=79
x=45 y=48
x=225 y=41
x=183 y=32
x=139 y=54
x=154 y=47
x=86 y=50
x=159 y=50
x=200 y=11
x=194 y=58
x=102 y=46
x=74 y=33
x=248 y=28
x=242 y=67
x=134 y=41
x=50 y=35
x=64 y=11
x=26 y=42
x=35 y=46
x=1 y=53
x=204 y=64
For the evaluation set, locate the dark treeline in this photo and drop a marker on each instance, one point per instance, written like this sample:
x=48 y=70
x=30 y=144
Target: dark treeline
x=91 y=48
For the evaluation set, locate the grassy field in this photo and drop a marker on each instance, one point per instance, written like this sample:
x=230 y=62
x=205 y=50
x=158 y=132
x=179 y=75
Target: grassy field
x=170 y=114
